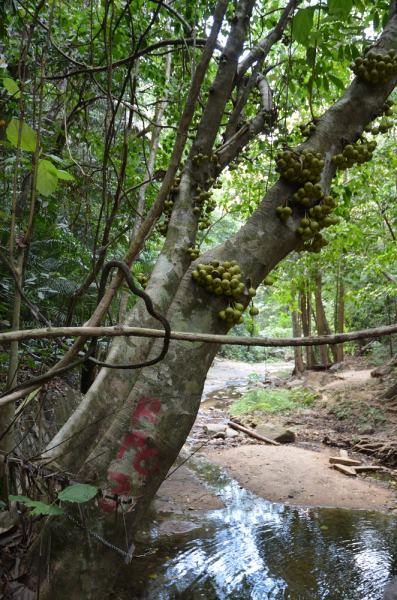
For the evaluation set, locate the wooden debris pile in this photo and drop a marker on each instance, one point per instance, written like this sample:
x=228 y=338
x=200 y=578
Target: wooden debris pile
x=383 y=450
x=350 y=466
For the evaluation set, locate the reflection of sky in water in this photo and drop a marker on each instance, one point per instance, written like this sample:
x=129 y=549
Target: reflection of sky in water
x=257 y=550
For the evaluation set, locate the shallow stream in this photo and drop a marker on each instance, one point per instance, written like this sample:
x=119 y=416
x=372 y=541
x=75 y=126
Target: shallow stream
x=255 y=550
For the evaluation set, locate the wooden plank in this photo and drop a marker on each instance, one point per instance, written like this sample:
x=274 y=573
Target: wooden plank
x=344 y=461
x=369 y=468
x=345 y=470
x=252 y=433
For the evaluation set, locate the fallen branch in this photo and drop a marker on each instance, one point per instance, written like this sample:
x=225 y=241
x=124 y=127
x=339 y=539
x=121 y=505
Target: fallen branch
x=52 y=332
x=252 y=433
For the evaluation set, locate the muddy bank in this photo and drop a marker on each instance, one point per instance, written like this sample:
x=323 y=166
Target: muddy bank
x=295 y=476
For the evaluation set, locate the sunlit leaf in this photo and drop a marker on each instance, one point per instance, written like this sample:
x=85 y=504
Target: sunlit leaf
x=80 y=492
x=12 y=87
x=47 y=177
x=28 y=135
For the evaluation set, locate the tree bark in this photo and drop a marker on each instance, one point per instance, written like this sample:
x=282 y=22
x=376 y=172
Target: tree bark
x=320 y=316
x=306 y=326
x=341 y=319
x=296 y=332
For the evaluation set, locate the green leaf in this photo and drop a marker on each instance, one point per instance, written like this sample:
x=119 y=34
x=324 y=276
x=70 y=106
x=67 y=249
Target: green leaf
x=64 y=175
x=23 y=499
x=46 y=509
x=342 y=7
x=336 y=81
x=310 y=55
x=303 y=23
x=7 y=144
x=28 y=135
x=12 y=87
x=376 y=20
x=80 y=492
x=47 y=177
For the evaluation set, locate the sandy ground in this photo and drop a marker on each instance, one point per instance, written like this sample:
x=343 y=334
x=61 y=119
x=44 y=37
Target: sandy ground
x=299 y=477
x=184 y=493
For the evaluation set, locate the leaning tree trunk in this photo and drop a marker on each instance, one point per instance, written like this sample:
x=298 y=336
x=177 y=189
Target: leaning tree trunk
x=130 y=459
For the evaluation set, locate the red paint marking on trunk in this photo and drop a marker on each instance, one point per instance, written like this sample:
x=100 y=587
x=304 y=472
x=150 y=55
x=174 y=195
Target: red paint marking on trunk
x=124 y=486
x=144 y=455
x=148 y=408
x=107 y=506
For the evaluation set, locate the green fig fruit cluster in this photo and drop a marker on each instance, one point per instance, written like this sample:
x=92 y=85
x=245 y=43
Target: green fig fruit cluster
x=199 y=159
x=308 y=191
x=194 y=253
x=318 y=217
x=375 y=67
x=385 y=124
x=303 y=167
x=284 y=212
x=268 y=280
x=215 y=157
x=354 y=154
x=315 y=245
x=223 y=279
x=307 y=130
x=142 y=279
x=162 y=227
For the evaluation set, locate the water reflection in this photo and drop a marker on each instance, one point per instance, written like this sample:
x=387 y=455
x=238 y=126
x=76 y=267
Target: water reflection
x=257 y=550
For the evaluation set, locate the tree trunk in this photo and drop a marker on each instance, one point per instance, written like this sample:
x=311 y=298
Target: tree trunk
x=296 y=332
x=306 y=326
x=320 y=317
x=341 y=319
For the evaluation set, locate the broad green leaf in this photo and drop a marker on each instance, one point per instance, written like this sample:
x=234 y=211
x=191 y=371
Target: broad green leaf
x=342 y=7
x=64 y=175
x=7 y=144
x=12 y=87
x=303 y=23
x=47 y=177
x=338 y=82
x=23 y=499
x=80 y=492
x=45 y=509
x=28 y=135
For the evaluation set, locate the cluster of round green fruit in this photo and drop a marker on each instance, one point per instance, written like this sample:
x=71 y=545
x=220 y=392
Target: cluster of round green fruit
x=168 y=206
x=215 y=159
x=315 y=245
x=162 y=227
x=309 y=190
x=354 y=153
x=375 y=67
x=300 y=167
x=193 y=253
x=385 y=124
x=142 y=279
x=315 y=221
x=220 y=279
x=307 y=130
x=199 y=159
x=224 y=280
